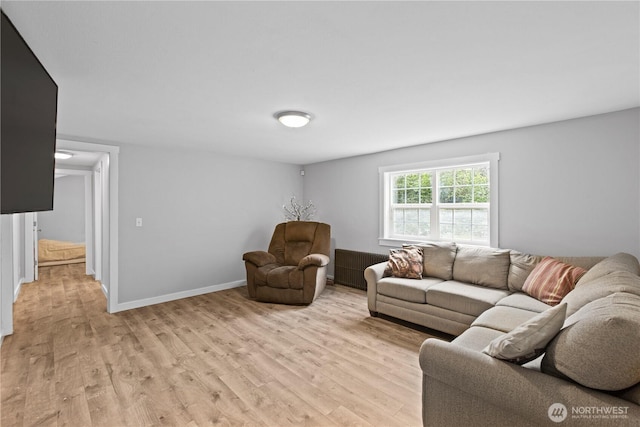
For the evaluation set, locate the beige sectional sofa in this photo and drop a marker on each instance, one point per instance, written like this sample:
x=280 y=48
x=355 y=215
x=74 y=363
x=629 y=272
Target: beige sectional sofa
x=589 y=373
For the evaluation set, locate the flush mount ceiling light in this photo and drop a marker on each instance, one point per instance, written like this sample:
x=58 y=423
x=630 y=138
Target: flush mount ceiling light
x=63 y=155
x=293 y=119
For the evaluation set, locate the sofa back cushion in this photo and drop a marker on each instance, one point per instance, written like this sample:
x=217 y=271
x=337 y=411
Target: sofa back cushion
x=600 y=287
x=521 y=266
x=438 y=259
x=615 y=263
x=598 y=345
x=292 y=241
x=482 y=266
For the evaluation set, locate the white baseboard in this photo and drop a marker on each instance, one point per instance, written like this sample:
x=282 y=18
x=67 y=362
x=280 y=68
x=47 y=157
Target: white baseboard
x=17 y=291
x=177 y=295
x=105 y=291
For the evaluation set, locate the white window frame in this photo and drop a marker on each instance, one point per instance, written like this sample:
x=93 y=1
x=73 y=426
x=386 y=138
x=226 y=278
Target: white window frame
x=385 y=195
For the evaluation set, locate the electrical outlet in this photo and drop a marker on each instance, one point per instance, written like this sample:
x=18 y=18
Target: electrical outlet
x=138 y=222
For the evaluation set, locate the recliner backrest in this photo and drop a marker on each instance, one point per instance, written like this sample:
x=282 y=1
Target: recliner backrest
x=294 y=240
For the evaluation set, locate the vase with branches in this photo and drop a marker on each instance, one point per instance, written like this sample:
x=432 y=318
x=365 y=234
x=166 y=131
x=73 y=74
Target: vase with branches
x=295 y=211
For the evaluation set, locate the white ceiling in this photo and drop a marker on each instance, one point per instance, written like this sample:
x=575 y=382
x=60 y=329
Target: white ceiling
x=375 y=75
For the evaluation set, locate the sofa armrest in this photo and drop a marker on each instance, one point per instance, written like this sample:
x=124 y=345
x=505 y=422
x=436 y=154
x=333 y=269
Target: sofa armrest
x=318 y=260
x=372 y=274
x=513 y=392
x=259 y=258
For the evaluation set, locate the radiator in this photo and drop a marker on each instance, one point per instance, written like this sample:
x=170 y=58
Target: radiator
x=350 y=265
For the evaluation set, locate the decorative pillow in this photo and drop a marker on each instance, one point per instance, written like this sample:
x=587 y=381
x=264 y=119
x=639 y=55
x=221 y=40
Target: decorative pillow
x=528 y=341
x=598 y=347
x=405 y=262
x=551 y=280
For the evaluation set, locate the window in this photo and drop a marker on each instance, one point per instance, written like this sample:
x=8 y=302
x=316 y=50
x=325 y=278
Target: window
x=444 y=200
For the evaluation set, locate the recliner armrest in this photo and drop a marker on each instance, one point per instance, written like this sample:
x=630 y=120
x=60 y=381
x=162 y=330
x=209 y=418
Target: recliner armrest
x=319 y=260
x=259 y=258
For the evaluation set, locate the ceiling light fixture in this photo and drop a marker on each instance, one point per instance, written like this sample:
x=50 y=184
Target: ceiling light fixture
x=293 y=119
x=62 y=155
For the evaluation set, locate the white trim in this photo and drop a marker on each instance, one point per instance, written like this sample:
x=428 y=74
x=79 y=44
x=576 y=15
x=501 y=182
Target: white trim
x=397 y=243
x=18 y=258
x=178 y=295
x=494 y=210
x=16 y=293
x=88 y=223
x=6 y=275
x=97 y=218
x=29 y=249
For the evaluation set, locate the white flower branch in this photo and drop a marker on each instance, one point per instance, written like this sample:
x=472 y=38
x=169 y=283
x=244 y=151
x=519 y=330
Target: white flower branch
x=298 y=212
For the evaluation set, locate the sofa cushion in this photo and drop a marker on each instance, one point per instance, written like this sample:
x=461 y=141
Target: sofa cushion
x=261 y=274
x=405 y=262
x=476 y=337
x=598 y=347
x=600 y=287
x=279 y=276
x=463 y=297
x=615 y=263
x=523 y=301
x=528 y=340
x=482 y=266
x=406 y=289
x=504 y=319
x=551 y=280
x=520 y=268
x=438 y=258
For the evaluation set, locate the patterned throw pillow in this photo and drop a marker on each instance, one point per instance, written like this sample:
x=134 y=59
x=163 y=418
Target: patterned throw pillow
x=405 y=262
x=551 y=280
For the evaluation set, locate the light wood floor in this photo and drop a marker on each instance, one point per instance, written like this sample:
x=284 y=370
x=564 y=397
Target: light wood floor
x=216 y=359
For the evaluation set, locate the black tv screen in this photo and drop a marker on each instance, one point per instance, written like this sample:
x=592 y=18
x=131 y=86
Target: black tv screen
x=28 y=137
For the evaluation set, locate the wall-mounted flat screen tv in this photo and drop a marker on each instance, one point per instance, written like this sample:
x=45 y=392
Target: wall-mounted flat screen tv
x=28 y=136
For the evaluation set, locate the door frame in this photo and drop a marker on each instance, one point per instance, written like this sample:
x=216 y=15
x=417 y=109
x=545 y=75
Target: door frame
x=109 y=201
x=30 y=247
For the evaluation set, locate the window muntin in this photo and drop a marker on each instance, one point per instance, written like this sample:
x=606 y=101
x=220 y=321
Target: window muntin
x=448 y=201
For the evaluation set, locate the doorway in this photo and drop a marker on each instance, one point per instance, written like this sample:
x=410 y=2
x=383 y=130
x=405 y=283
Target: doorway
x=105 y=218
x=72 y=222
x=105 y=175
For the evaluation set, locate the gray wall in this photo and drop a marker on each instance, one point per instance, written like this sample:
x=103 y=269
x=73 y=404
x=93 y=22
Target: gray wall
x=566 y=188
x=201 y=211
x=66 y=221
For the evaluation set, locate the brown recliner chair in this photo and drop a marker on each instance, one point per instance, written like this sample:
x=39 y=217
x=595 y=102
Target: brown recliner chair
x=294 y=270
